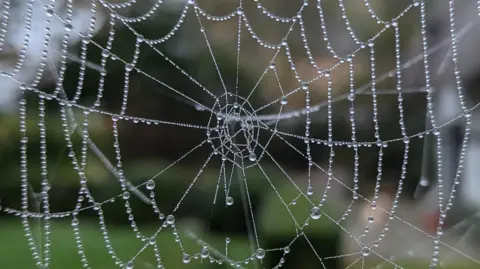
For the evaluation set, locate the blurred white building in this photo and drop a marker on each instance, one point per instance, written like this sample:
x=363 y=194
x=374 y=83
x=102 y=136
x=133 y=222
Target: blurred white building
x=16 y=32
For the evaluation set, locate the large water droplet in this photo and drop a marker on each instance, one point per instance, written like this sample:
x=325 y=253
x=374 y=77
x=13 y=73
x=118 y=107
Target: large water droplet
x=315 y=213
x=310 y=191
x=68 y=27
x=170 y=219
x=150 y=184
x=365 y=251
x=50 y=12
x=229 y=200
x=105 y=53
x=126 y=195
x=186 y=258
x=252 y=157
x=424 y=182
x=240 y=11
x=304 y=86
x=284 y=100
x=260 y=254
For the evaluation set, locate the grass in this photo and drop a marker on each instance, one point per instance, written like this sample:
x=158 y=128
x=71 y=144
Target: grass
x=14 y=251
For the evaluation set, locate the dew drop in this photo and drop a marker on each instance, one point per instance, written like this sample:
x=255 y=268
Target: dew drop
x=424 y=182
x=315 y=213
x=75 y=222
x=305 y=86
x=129 y=265
x=68 y=27
x=50 y=12
x=272 y=65
x=252 y=157
x=170 y=219
x=105 y=53
x=284 y=100
x=310 y=191
x=150 y=184
x=365 y=251
x=260 y=254
x=204 y=254
x=286 y=249
x=186 y=258
x=229 y=200
x=235 y=105
x=126 y=195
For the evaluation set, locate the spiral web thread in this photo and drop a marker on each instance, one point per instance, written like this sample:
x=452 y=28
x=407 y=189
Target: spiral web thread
x=231 y=108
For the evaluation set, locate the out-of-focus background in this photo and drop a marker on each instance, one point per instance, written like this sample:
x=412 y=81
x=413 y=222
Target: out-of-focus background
x=146 y=149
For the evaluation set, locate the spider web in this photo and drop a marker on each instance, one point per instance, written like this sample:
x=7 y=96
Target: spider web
x=239 y=133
